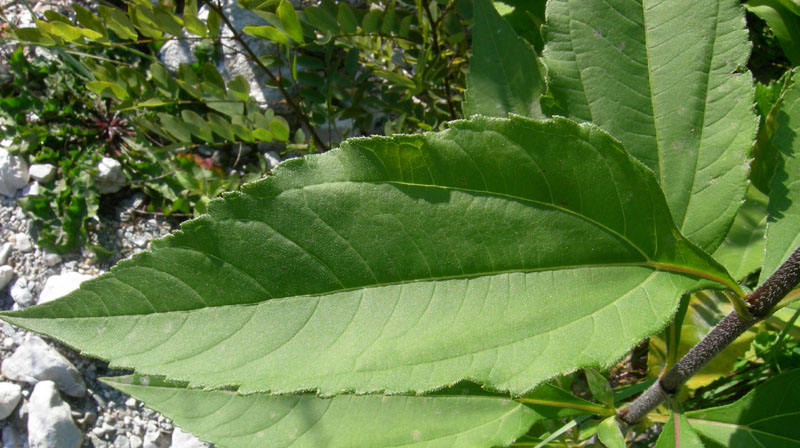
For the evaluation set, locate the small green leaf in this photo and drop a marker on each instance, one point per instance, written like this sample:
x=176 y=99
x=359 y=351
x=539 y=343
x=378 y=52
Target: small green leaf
x=267 y=32
x=89 y=20
x=600 y=388
x=213 y=23
x=766 y=417
x=196 y=125
x=280 y=128
x=190 y=20
x=371 y=21
x=505 y=75
x=347 y=421
x=239 y=87
x=176 y=128
x=107 y=89
x=609 y=433
x=347 y=19
x=322 y=18
x=388 y=19
x=118 y=22
x=290 y=21
x=263 y=135
x=220 y=126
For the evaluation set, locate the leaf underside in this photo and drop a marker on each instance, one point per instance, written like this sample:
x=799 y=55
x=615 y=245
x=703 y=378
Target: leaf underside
x=678 y=433
x=401 y=264
x=234 y=421
x=668 y=79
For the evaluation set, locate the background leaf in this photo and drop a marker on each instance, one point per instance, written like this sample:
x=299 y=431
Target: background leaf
x=765 y=417
x=669 y=80
x=742 y=251
x=783 y=227
x=505 y=75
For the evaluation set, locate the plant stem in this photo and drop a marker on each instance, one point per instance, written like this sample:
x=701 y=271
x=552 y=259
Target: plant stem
x=760 y=304
x=294 y=106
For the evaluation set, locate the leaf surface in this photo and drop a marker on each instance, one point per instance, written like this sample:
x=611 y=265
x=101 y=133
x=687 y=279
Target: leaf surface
x=668 y=79
x=505 y=75
x=766 y=417
x=783 y=226
x=742 y=251
x=505 y=251
x=236 y=421
x=678 y=433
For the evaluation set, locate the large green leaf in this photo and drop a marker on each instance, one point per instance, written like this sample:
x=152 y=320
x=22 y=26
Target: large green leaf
x=505 y=251
x=233 y=421
x=766 y=417
x=678 y=433
x=783 y=227
x=742 y=251
x=668 y=79
x=505 y=75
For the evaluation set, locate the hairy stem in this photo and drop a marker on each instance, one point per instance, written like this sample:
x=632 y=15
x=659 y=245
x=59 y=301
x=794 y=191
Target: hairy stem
x=760 y=304
x=292 y=105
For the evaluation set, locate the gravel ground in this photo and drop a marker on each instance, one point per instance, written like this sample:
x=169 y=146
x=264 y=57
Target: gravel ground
x=106 y=417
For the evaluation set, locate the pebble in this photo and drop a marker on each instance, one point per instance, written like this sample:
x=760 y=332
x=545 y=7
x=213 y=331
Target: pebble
x=130 y=403
x=35 y=361
x=58 y=286
x=10 y=394
x=20 y=294
x=42 y=172
x=51 y=258
x=50 y=422
x=6 y=274
x=22 y=242
x=13 y=173
x=5 y=250
x=109 y=177
x=272 y=158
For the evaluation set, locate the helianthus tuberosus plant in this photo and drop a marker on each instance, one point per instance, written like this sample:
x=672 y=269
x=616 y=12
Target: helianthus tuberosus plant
x=429 y=290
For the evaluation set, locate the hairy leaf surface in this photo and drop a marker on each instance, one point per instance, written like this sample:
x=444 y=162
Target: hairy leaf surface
x=668 y=79
x=505 y=75
x=783 y=227
x=766 y=417
x=235 y=421
x=505 y=251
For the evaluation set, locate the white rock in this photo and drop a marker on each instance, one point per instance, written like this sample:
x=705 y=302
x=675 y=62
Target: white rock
x=5 y=251
x=42 y=172
x=32 y=189
x=182 y=439
x=50 y=424
x=13 y=173
x=273 y=159
x=6 y=274
x=34 y=361
x=109 y=177
x=58 y=286
x=22 y=242
x=20 y=294
x=10 y=395
x=130 y=403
